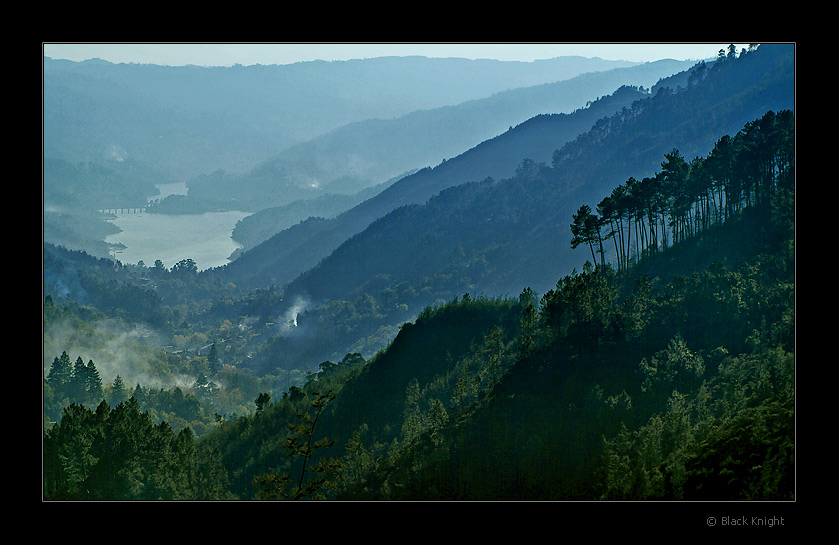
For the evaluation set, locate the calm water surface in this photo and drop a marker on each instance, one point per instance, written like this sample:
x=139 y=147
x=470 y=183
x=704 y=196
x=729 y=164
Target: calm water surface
x=204 y=238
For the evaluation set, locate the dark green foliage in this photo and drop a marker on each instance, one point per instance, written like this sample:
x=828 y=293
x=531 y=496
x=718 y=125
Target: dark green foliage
x=749 y=457
x=254 y=447
x=731 y=438
x=623 y=412
x=262 y=401
x=301 y=445
x=119 y=454
x=60 y=374
x=77 y=383
x=367 y=415
x=423 y=350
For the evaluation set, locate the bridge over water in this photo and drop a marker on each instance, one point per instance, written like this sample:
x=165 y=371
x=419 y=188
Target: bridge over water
x=134 y=210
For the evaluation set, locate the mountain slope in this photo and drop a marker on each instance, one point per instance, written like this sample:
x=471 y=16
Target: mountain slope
x=258 y=227
x=499 y=236
x=496 y=237
x=295 y=250
x=674 y=382
x=371 y=151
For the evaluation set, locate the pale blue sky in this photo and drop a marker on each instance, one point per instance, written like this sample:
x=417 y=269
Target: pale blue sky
x=227 y=54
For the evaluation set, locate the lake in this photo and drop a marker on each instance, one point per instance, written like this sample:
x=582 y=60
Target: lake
x=204 y=238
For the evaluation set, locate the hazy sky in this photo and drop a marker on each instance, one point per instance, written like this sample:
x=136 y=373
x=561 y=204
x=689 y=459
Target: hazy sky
x=227 y=54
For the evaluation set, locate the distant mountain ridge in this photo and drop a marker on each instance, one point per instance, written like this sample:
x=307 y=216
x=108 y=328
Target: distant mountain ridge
x=514 y=233
x=145 y=125
x=499 y=236
x=189 y=120
x=370 y=151
x=293 y=251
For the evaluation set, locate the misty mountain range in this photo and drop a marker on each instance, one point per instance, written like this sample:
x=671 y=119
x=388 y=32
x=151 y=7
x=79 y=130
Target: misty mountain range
x=188 y=121
x=635 y=149
x=355 y=156
x=493 y=218
x=358 y=155
x=496 y=236
x=296 y=249
x=379 y=119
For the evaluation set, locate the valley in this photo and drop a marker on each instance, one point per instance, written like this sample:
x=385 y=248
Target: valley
x=576 y=286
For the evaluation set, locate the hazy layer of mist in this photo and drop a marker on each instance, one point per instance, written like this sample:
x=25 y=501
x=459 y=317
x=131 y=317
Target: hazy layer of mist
x=116 y=349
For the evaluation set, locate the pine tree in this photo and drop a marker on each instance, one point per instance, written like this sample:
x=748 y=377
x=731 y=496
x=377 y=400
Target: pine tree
x=585 y=228
x=60 y=375
x=93 y=384
x=118 y=391
x=264 y=400
x=437 y=419
x=78 y=382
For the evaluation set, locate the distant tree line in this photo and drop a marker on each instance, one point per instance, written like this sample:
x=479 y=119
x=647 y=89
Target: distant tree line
x=644 y=216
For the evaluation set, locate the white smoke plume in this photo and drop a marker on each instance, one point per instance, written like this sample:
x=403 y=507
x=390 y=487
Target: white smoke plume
x=288 y=320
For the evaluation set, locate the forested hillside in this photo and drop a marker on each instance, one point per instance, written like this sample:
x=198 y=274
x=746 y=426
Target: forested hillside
x=668 y=376
x=615 y=324
x=672 y=378
x=493 y=236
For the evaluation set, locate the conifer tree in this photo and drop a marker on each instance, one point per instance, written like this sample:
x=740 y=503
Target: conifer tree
x=60 y=375
x=93 y=384
x=437 y=419
x=118 y=391
x=262 y=401
x=78 y=382
x=585 y=228
x=119 y=454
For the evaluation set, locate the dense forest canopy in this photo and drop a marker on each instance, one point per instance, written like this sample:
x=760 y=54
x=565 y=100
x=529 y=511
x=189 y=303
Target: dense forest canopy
x=662 y=367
